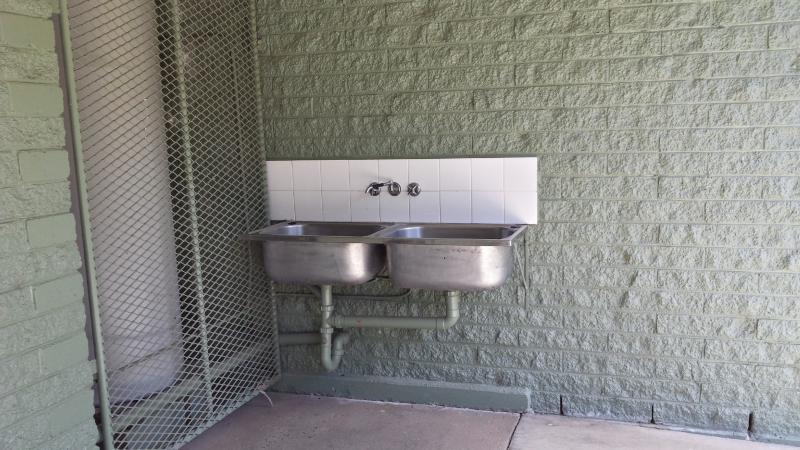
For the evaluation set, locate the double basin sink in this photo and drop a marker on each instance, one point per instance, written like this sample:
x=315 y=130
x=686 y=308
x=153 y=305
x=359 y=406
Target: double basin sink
x=452 y=257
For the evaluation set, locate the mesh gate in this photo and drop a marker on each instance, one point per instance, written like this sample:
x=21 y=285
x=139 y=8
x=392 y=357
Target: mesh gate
x=167 y=94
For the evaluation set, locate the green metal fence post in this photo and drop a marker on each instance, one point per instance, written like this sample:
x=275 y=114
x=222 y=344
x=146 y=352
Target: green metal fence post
x=91 y=281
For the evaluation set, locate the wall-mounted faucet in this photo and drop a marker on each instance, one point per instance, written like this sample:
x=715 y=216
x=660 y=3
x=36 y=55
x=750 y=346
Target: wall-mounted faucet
x=374 y=188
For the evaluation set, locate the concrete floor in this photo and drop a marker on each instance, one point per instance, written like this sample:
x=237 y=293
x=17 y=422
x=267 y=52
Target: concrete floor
x=305 y=422
x=559 y=432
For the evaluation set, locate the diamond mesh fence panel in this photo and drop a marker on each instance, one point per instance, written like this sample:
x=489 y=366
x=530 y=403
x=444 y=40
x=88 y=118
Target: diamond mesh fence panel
x=172 y=148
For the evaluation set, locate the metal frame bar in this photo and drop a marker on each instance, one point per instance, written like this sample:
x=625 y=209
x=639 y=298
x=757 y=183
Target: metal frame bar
x=262 y=143
x=189 y=167
x=85 y=229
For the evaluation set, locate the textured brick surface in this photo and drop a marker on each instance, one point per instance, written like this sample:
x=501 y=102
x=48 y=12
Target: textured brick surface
x=663 y=280
x=45 y=376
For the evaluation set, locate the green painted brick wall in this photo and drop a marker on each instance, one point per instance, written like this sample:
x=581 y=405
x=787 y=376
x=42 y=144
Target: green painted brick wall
x=663 y=282
x=45 y=376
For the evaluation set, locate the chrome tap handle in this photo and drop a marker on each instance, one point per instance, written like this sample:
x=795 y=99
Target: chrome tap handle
x=374 y=188
x=394 y=188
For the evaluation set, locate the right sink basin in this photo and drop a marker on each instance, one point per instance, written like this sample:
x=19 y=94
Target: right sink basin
x=450 y=257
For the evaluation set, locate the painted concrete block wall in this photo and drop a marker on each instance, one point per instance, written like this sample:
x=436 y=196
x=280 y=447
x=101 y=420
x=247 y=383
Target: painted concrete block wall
x=663 y=280
x=45 y=377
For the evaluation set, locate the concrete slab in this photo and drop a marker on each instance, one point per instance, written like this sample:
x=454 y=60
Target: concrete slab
x=537 y=432
x=309 y=422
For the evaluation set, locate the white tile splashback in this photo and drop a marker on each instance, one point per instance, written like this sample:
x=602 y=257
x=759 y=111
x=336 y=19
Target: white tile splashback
x=393 y=169
x=425 y=172
x=456 y=190
x=306 y=175
x=336 y=206
x=335 y=175
x=487 y=174
x=455 y=174
x=281 y=204
x=279 y=176
x=516 y=174
x=456 y=206
x=488 y=207
x=362 y=173
x=308 y=205
x=425 y=207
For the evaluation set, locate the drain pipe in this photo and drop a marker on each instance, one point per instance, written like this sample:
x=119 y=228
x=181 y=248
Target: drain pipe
x=436 y=323
x=332 y=348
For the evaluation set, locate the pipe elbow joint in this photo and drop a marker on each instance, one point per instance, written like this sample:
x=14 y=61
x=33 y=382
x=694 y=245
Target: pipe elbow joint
x=453 y=312
x=443 y=324
x=332 y=353
x=338 y=345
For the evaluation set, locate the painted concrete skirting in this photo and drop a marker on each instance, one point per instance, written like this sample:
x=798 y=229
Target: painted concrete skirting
x=460 y=395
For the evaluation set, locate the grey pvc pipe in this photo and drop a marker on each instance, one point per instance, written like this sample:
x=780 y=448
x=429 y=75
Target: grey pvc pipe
x=333 y=351
x=337 y=352
x=437 y=323
x=332 y=348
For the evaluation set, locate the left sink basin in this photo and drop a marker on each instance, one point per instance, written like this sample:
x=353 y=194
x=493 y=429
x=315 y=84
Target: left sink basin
x=321 y=252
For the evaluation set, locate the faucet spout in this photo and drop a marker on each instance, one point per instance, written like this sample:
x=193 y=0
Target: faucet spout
x=374 y=188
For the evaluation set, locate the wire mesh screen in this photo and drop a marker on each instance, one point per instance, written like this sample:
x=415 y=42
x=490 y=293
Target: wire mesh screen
x=168 y=106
